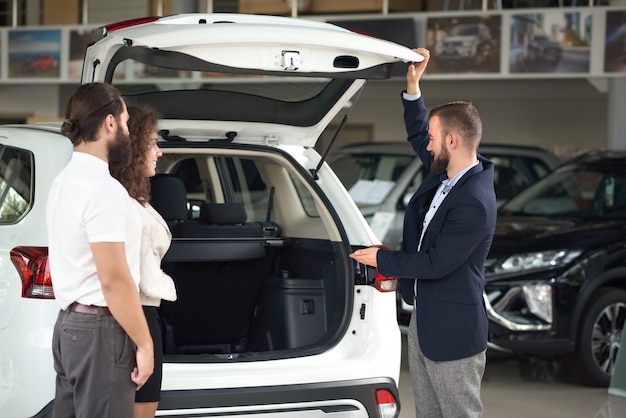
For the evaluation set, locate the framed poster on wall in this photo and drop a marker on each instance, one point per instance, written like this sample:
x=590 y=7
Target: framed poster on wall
x=551 y=42
x=34 y=53
x=615 y=42
x=464 y=44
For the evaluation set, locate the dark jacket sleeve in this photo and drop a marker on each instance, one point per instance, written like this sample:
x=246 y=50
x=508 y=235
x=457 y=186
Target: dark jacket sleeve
x=416 y=123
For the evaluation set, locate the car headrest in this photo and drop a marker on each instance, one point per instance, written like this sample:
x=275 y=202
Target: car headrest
x=169 y=197
x=222 y=213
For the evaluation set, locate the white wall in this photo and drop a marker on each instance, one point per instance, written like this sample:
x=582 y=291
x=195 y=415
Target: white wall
x=564 y=115
x=40 y=101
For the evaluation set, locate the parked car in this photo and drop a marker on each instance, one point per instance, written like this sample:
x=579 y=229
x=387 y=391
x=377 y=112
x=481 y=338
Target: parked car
x=382 y=176
x=544 y=48
x=466 y=43
x=272 y=317
x=556 y=273
x=42 y=63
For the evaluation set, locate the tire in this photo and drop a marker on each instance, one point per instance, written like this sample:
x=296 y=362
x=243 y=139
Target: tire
x=599 y=337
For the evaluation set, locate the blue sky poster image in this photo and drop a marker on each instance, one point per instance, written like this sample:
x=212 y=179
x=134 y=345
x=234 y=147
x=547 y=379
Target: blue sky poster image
x=34 y=53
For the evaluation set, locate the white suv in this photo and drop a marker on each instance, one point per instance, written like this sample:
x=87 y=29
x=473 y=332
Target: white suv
x=273 y=317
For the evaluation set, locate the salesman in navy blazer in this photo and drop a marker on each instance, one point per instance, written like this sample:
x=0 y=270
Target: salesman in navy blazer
x=448 y=229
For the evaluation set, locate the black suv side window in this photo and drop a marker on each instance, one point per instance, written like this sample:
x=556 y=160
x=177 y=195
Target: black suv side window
x=16 y=179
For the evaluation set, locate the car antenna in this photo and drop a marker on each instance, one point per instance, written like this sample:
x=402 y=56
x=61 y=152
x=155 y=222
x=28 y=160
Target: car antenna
x=316 y=170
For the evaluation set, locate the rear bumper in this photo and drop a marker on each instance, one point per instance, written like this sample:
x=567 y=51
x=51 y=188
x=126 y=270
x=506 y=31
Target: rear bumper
x=352 y=398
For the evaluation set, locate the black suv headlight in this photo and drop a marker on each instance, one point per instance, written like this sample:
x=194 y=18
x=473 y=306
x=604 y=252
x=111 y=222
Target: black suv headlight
x=525 y=307
x=527 y=262
x=519 y=305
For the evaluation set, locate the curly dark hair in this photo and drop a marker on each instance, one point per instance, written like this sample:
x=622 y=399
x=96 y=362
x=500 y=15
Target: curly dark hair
x=142 y=123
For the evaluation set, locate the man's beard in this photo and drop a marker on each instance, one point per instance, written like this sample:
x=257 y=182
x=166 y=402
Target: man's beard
x=441 y=161
x=120 y=150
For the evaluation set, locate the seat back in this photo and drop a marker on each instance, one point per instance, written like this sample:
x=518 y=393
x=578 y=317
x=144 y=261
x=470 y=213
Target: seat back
x=225 y=220
x=169 y=198
x=218 y=264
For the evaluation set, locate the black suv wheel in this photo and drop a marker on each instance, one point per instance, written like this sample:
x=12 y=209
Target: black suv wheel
x=599 y=337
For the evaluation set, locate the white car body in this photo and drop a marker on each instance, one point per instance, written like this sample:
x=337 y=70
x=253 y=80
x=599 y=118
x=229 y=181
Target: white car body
x=351 y=368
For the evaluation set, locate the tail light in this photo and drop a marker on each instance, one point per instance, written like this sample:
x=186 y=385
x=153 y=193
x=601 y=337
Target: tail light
x=371 y=276
x=385 y=284
x=387 y=404
x=102 y=31
x=32 y=266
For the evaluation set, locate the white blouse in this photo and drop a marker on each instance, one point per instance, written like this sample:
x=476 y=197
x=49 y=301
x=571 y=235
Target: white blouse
x=154 y=284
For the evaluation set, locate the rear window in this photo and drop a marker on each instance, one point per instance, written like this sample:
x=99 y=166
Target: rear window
x=133 y=77
x=514 y=173
x=16 y=180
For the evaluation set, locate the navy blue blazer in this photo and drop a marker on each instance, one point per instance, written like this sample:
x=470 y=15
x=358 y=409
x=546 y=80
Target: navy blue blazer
x=449 y=268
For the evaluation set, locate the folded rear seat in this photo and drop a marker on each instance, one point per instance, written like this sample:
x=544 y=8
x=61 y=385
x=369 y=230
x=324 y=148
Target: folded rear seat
x=222 y=233
x=219 y=264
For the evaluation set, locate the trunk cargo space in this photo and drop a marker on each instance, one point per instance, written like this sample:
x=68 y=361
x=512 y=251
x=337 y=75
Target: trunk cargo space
x=285 y=299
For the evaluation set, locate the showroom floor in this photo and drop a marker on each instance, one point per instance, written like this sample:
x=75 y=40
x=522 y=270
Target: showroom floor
x=543 y=392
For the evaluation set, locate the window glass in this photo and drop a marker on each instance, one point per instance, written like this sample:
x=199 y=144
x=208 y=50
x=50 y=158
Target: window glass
x=512 y=174
x=212 y=178
x=306 y=198
x=248 y=187
x=370 y=177
x=590 y=191
x=16 y=179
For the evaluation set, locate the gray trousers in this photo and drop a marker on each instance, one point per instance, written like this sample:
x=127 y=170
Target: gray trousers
x=446 y=389
x=93 y=359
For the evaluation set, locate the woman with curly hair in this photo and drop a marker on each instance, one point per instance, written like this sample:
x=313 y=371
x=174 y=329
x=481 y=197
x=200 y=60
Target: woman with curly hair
x=154 y=284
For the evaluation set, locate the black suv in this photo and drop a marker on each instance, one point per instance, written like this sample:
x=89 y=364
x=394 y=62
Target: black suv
x=556 y=274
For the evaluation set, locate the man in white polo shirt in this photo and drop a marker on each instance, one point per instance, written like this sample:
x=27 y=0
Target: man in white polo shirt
x=101 y=344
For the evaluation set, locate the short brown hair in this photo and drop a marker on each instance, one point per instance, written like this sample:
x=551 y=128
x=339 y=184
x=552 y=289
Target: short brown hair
x=461 y=117
x=87 y=108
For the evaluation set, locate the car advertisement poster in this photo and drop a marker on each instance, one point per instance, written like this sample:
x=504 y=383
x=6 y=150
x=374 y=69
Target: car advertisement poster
x=615 y=42
x=34 y=53
x=464 y=44
x=551 y=42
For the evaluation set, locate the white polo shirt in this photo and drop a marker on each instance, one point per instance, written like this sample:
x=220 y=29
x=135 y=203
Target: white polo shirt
x=86 y=205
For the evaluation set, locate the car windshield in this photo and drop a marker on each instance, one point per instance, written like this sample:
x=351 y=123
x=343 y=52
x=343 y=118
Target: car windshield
x=370 y=177
x=585 y=190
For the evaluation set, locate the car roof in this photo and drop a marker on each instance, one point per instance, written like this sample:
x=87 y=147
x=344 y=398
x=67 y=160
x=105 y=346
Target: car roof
x=600 y=156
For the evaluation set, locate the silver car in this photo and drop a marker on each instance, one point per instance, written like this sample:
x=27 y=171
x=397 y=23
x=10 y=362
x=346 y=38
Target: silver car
x=381 y=178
